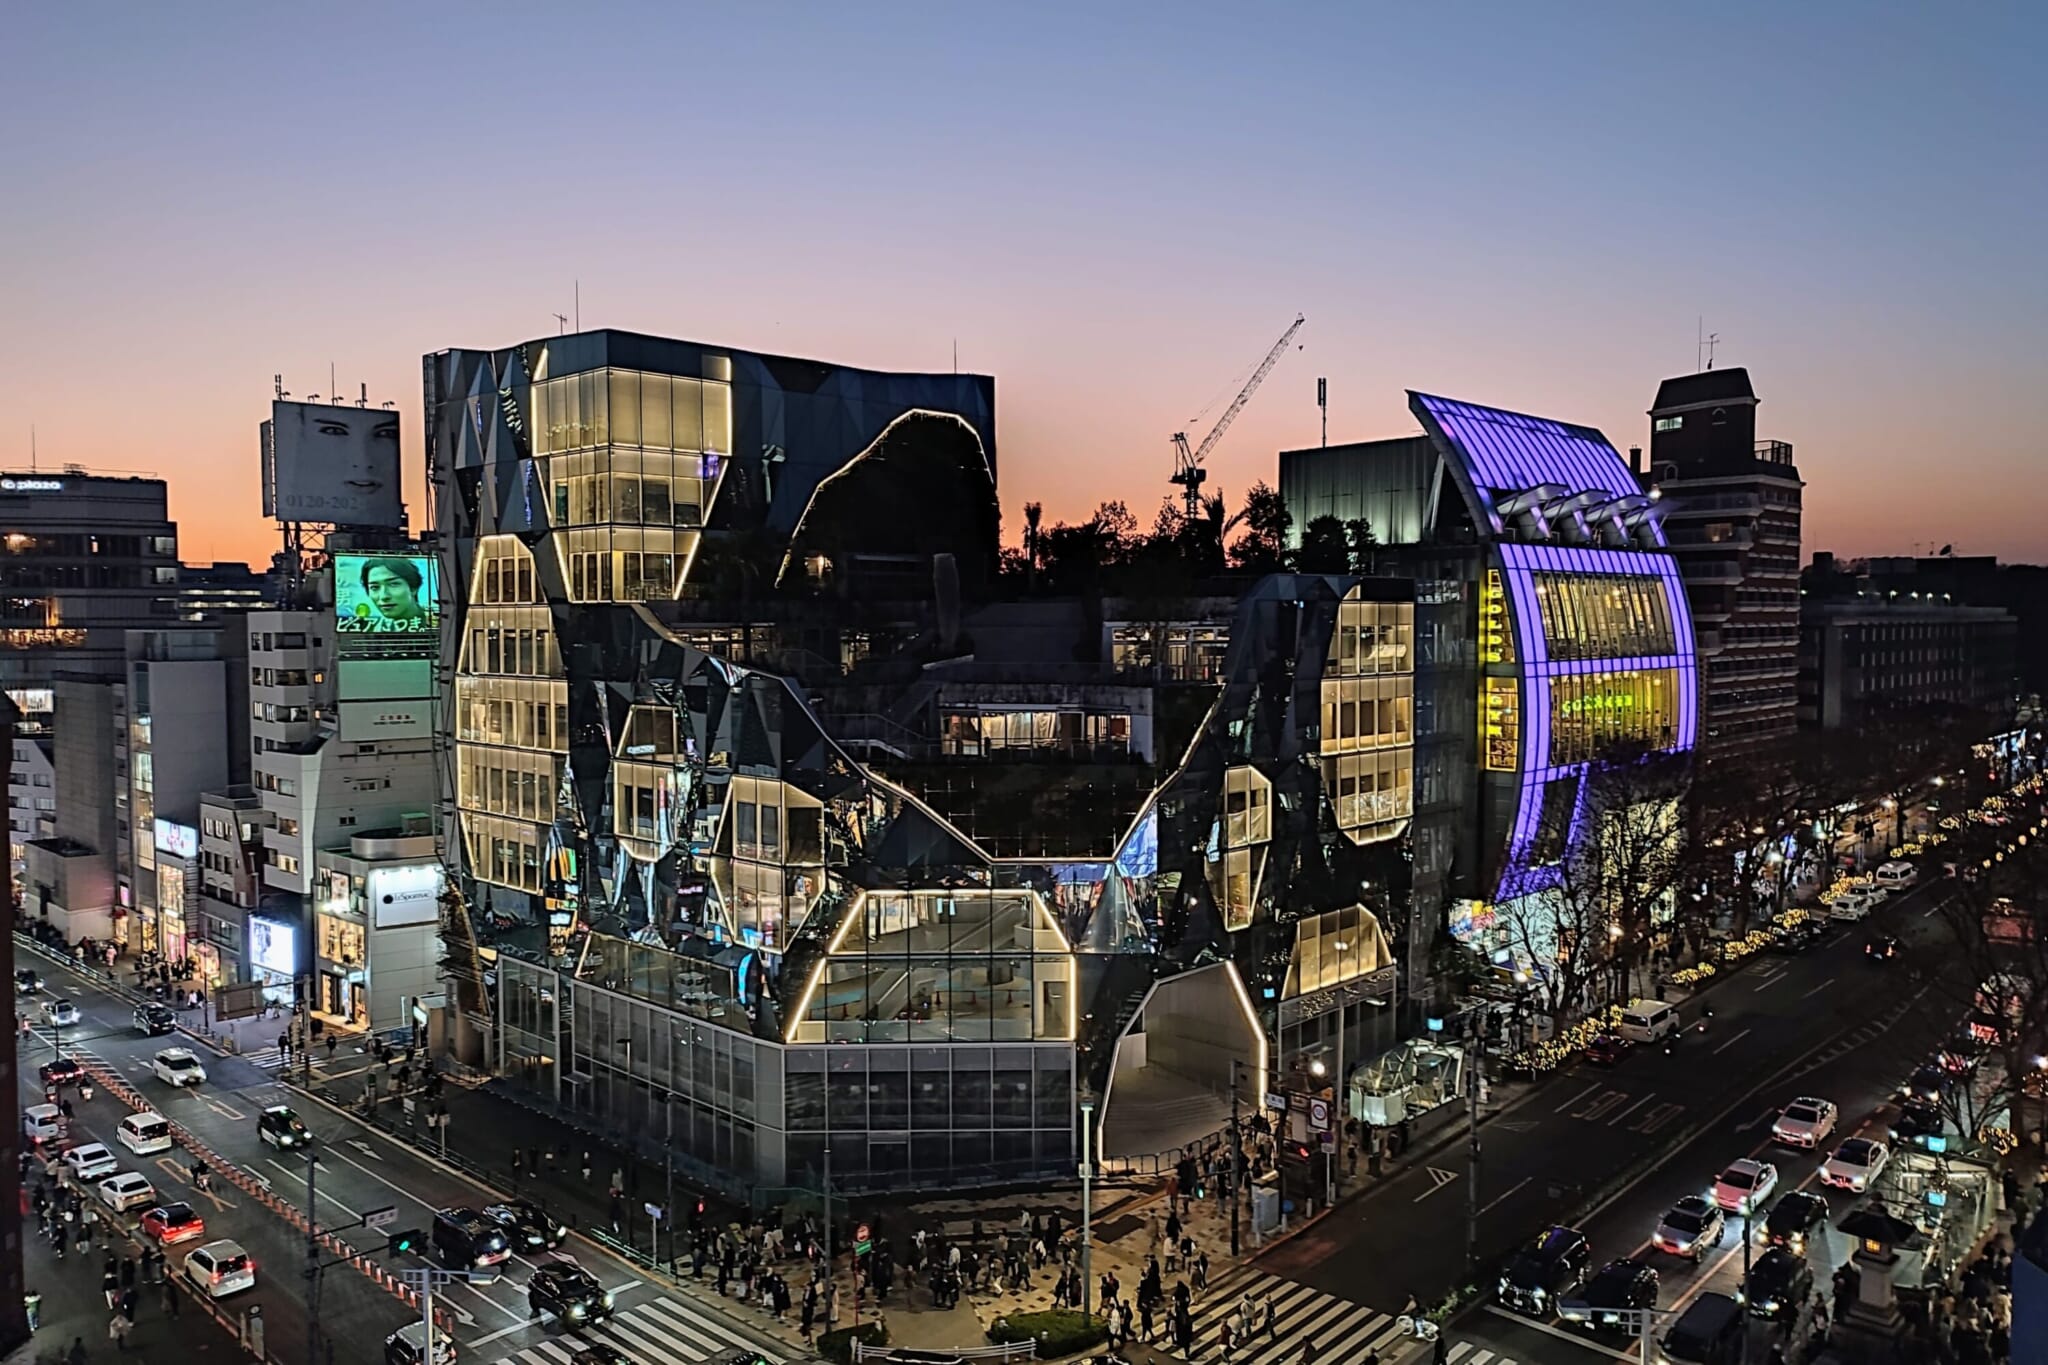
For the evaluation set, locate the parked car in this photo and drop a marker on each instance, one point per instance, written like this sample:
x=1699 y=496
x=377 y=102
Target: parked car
x=125 y=1191
x=89 y=1162
x=169 y=1223
x=1855 y=1164
x=220 y=1269
x=1605 y=1049
x=1897 y=874
x=1806 y=1122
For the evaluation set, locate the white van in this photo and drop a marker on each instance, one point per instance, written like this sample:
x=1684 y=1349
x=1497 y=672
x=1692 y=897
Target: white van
x=1897 y=874
x=1854 y=904
x=1647 y=1021
x=42 y=1123
x=146 y=1132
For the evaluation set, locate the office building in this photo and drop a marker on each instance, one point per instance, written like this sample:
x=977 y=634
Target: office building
x=1732 y=517
x=1865 y=657
x=14 y=1331
x=83 y=559
x=32 y=775
x=231 y=825
x=207 y=592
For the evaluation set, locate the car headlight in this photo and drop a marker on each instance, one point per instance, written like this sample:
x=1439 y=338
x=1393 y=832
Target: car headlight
x=1538 y=1294
x=577 y=1310
x=607 y=1300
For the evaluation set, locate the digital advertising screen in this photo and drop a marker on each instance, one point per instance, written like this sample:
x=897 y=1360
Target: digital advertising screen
x=387 y=603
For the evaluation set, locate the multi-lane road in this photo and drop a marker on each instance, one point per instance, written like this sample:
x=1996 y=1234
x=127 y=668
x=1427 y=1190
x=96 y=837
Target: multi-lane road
x=359 y=1171
x=1827 y=1023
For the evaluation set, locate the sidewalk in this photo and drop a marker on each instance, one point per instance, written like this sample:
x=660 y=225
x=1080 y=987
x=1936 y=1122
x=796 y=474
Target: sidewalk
x=73 y=1308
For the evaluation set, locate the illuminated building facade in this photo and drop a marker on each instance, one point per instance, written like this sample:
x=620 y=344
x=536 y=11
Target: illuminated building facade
x=1553 y=633
x=776 y=830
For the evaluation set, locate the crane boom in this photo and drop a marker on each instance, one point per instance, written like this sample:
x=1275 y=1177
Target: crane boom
x=1188 y=471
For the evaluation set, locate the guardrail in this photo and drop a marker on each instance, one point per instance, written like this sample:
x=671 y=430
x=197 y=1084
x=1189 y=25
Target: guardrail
x=1015 y=1350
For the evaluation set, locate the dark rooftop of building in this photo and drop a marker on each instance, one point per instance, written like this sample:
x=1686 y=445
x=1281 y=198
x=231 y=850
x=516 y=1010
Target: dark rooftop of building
x=1708 y=386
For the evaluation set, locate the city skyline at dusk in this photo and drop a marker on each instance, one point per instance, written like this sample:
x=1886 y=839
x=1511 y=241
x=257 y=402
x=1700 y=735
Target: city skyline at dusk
x=1499 y=206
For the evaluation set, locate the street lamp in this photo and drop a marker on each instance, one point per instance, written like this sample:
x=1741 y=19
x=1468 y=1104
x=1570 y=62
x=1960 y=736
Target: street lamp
x=1088 y=1204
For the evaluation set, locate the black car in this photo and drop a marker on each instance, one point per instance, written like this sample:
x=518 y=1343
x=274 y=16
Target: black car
x=408 y=1346
x=468 y=1241
x=281 y=1128
x=603 y=1355
x=1545 y=1271
x=1929 y=1083
x=1778 y=1283
x=1620 y=1285
x=1881 y=949
x=155 y=1020
x=527 y=1225
x=1793 y=1221
x=61 y=1072
x=1797 y=938
x=567 y=1293
x=27 y=982
x=1918 y=1121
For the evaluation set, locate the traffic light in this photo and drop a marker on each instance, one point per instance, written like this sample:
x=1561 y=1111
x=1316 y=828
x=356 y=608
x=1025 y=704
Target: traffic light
x=410 y=1243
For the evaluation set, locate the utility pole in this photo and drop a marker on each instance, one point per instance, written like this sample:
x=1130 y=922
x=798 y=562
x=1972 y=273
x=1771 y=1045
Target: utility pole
x=313 y=1261
x=1474 y=1065
x=1087 y=1204
x=1236 y=1155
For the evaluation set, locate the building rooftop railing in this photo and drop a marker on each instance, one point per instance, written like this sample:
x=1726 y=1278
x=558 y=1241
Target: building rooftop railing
x=1774 y=452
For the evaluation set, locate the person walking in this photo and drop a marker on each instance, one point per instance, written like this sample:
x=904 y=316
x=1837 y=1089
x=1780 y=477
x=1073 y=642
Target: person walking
x=32 y=1304
x=515 y=1166
x=170 y=1296
x=118 y=1328
x=110 y=1281
x=1272 y=1319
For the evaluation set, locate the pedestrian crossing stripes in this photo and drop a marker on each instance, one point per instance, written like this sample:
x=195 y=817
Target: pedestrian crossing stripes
x=267 y=1058
x=1341 y=1330
x=663 y=1332
x=1467 y=1353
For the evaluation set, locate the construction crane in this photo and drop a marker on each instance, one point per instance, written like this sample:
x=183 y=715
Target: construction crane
x=1187 y=463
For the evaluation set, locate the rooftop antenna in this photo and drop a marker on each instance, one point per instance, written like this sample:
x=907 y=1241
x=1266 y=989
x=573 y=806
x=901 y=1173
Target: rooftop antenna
x=31 y=447
x=956 y=355
x=333 y=389
x=1703 y=346
x=363 y=397
x=561 y=322
x=277 y=385
x=579 y=305
x=1323 y=402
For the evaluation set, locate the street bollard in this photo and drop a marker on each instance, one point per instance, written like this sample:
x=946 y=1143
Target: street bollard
x=253 y=1336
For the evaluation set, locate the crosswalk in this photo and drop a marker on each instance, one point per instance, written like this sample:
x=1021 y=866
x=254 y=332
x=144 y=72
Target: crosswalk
x=265 y=1058
x=1341 y=1330
x=664 y=1331
x=1466 y=1353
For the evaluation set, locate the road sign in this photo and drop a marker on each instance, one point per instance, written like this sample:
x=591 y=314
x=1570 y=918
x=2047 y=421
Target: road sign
x=1275 y=1100
x=1318 y=1113
x=653 y=1211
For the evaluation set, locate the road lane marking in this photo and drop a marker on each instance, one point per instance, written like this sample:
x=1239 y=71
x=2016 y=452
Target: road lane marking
x=1653 y=1119
x=1818 y=989
x=1607 y=1102
x=184 y=1177
x=1731 y=1042
x=221 y=1107
x=1575 y=1338
x=1505 y=1193
x=1576 y=1098
x=365 y=1148
x=290 y=1174
x=1631 y=1109
x=1438 y=1179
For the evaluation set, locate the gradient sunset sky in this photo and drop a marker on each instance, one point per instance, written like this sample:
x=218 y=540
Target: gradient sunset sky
x=1112 y=208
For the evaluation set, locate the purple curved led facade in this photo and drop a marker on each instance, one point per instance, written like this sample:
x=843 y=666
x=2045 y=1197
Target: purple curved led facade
x=1512 y=450
x=1519 y=565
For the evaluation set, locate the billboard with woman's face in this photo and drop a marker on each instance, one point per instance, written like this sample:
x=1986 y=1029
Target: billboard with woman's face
x=393 y=596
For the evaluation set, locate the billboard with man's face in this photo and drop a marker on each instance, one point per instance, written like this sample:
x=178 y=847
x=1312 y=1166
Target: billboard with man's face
x=387 y=604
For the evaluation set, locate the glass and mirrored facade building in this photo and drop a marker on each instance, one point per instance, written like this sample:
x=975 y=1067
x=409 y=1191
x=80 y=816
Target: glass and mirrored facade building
x=776 y=829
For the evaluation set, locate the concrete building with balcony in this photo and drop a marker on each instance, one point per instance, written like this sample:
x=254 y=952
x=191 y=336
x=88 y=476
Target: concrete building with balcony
x=1731 y=505
x=231 y=825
